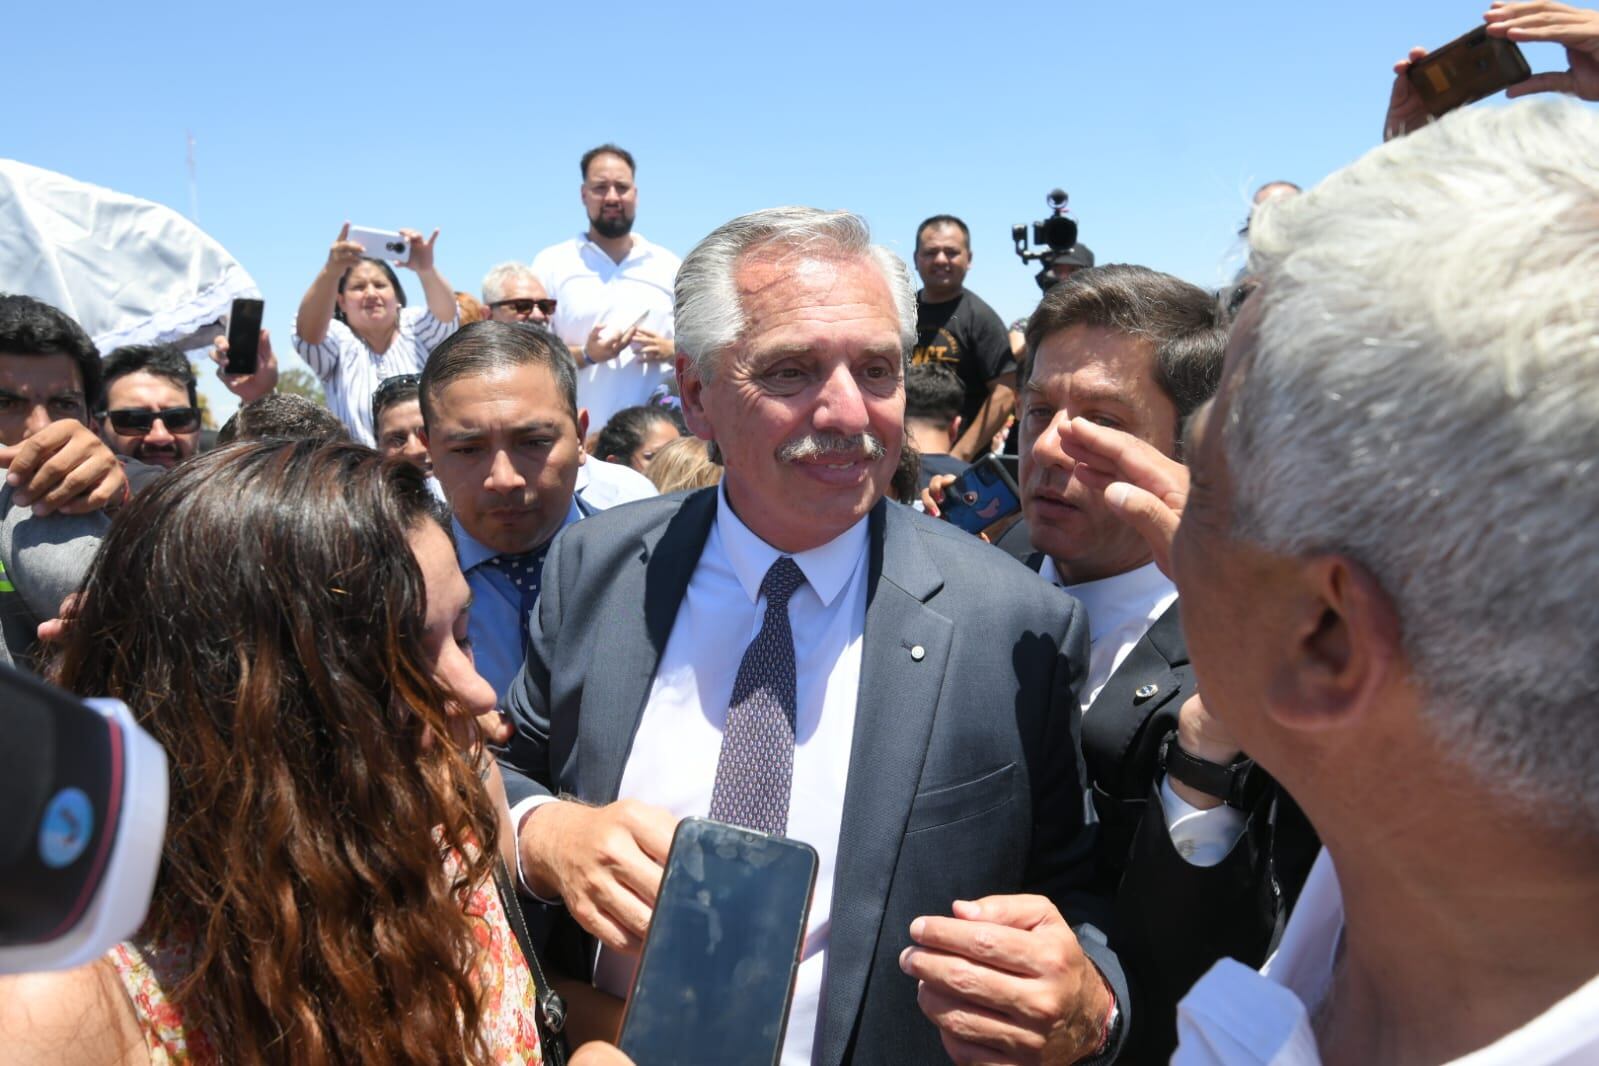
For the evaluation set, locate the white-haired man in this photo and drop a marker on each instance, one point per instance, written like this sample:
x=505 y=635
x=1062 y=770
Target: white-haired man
x=850 y=650
x=1388 y=581
x=513 y=293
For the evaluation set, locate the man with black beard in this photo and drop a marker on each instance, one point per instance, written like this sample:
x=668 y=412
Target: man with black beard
x=613 y=293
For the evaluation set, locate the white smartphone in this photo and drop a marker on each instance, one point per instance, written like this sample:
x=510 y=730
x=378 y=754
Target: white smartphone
x=381 y=243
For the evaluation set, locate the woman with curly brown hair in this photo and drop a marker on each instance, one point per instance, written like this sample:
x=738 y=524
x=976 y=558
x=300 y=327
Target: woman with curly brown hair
x=289 y=622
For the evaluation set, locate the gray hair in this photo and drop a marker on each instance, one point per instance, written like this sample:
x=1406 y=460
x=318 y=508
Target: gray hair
x=1423 y=396
x=497 y=278
x=709 y=317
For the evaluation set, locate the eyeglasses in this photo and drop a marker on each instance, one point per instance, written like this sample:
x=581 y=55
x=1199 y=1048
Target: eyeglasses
x=137 y=421
x=525 y=307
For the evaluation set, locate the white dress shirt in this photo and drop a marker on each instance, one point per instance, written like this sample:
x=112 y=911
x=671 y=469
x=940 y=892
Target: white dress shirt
x=590 y=288
x=1121 y=608
x=1235 y=1016
x=605 y=485
x=672 y=763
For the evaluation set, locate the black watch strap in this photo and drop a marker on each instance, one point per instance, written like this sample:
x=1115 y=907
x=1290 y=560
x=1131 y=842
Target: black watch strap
x=1230 y=784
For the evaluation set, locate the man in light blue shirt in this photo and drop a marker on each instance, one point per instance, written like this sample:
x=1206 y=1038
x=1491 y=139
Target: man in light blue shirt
x=505 y=434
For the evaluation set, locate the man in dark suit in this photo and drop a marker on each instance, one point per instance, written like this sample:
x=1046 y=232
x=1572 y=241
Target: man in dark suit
x=789 y=651
x=1205 y=867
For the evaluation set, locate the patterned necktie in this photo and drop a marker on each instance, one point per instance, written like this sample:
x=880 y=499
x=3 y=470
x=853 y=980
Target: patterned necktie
x=755 y=772
x=526 y=572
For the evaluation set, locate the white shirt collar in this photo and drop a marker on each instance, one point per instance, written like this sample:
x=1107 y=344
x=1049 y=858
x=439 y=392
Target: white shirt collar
x=641 y=248
x=1234 y=1016
x=827 y=568
x=1113 y=601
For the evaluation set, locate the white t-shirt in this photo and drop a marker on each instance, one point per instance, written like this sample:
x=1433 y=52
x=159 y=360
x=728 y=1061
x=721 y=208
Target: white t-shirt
x=351 y=371
x=591 y=289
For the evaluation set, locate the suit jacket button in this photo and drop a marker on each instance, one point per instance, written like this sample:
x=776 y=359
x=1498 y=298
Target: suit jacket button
x=1143 y=692
x=918 y=653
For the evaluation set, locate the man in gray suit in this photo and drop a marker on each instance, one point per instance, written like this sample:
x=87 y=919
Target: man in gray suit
x=791 y=652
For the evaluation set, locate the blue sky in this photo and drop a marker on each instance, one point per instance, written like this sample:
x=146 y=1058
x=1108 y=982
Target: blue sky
x=1159 y=118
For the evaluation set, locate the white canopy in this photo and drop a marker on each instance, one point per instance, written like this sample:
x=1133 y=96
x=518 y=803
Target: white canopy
x=128 y=270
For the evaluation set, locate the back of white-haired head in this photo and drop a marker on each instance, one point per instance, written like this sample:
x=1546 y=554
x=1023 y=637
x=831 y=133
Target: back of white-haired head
x=1423 y=396
x=495 y=281
x=708 y=315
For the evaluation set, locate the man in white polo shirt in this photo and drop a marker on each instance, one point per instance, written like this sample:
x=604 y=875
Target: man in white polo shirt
x=613 y=293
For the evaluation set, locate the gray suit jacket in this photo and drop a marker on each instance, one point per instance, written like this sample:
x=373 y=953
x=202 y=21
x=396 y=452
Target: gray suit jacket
x=966 y=776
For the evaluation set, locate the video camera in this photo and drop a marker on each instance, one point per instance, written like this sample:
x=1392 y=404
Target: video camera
x=84 y=791
x=1058 y=235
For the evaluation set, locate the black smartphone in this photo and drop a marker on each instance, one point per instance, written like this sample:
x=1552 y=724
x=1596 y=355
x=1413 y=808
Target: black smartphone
x=244 y=336
x=981 y=496
x=1467 y=69
x=717 y=971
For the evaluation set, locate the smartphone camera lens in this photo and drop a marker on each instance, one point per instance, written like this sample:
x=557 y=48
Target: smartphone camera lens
x=395 y=246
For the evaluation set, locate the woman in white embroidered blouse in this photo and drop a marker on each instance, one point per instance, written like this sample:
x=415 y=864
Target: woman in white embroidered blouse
x=354 y=329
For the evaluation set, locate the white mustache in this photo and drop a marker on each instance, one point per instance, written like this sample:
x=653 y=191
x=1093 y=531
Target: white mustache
x=838 y=446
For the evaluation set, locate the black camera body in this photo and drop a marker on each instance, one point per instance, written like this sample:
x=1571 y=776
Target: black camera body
x=1057 y=238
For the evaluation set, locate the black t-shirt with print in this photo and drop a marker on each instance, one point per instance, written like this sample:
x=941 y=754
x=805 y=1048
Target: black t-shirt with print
x=964 y=333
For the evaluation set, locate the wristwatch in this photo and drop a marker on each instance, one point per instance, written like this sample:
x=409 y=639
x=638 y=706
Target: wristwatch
x=1236 y=784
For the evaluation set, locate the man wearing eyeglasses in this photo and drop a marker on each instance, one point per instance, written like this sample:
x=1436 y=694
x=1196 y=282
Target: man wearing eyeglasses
x=613 y=292
x=513 y=293
x=151 y=410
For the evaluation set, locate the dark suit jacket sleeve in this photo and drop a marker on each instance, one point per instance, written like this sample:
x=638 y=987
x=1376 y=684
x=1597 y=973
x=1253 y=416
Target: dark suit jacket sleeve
x=1174 y=920
x=525 y=760
x=1064 y=863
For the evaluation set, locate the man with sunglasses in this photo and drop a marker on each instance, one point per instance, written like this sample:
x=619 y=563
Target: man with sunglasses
x=151 y=411
x=513 y=293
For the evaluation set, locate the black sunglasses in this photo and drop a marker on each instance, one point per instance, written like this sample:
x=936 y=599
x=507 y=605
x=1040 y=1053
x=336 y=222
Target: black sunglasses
x=525 y=307
x=139 y=421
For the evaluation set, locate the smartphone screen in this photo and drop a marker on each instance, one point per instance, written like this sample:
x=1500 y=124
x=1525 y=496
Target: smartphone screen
x=717 y=971
x=981 y=496
x=244 y=336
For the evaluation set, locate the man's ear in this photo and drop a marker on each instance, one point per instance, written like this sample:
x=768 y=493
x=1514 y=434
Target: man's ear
x=1343 y=647
x=582 y=426
x=691 y=390
x=955 y=430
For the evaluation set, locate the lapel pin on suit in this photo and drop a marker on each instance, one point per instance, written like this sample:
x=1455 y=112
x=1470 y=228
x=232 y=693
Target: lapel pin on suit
x=1143 y=692
x=918 y=653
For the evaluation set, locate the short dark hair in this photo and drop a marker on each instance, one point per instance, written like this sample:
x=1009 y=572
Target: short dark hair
x=607 y=149
x=933 y=392
x=283 y=416
x=391 y=392
x=944 y=220
x=33 y=327
x=1182 y=322
x=487 y=346
x=624 y=433
x=394 y=280
x=161 y=360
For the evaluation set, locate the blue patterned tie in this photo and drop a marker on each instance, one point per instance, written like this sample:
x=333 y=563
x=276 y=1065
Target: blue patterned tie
x=755 y=772
x=526 y=572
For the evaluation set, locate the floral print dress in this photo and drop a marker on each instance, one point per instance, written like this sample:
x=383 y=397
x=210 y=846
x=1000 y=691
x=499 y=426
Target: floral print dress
x=501 y=976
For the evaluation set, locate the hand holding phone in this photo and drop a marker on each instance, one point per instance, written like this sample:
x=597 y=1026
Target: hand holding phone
x=981 y=496
x=1467 y=69
x=244 y=336
x=717 y=972
x=381 y=243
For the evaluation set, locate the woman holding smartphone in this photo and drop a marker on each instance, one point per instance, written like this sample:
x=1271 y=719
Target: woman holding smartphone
x=354 y=328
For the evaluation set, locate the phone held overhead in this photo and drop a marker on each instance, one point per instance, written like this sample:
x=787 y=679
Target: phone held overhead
x=1465 y=70
x=381 y=243
x=244 y=336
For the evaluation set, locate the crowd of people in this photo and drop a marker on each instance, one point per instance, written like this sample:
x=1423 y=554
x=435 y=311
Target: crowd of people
x=1266 y=731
